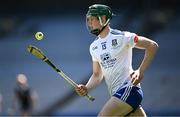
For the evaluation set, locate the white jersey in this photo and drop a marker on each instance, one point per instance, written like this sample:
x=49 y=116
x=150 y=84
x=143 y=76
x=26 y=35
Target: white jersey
x=114 y=54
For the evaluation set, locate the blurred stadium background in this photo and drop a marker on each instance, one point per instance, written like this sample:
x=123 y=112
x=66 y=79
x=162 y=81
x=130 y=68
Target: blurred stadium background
x=67 y=42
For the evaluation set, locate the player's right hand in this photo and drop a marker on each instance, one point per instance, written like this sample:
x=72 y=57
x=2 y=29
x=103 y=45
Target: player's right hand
x=136 y=77
x=81 y=90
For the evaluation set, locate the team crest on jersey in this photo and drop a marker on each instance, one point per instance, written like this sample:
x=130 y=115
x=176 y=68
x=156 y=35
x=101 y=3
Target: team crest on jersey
x=114 y=42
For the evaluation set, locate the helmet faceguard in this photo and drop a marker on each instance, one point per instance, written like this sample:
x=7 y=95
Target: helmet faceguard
x=99 y=10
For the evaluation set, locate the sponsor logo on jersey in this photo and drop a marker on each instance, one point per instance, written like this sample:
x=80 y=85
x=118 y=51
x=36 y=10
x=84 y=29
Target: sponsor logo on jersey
x=107 y=61
x=105 y=56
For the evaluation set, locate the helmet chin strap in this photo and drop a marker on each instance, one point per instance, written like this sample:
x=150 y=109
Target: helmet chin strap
x=98 y=31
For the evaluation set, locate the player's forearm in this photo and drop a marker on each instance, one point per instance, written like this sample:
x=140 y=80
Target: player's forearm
x=150 y=52
x=94 y=81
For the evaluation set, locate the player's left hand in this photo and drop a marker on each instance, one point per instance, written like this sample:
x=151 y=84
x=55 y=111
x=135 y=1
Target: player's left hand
x=136 y=76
